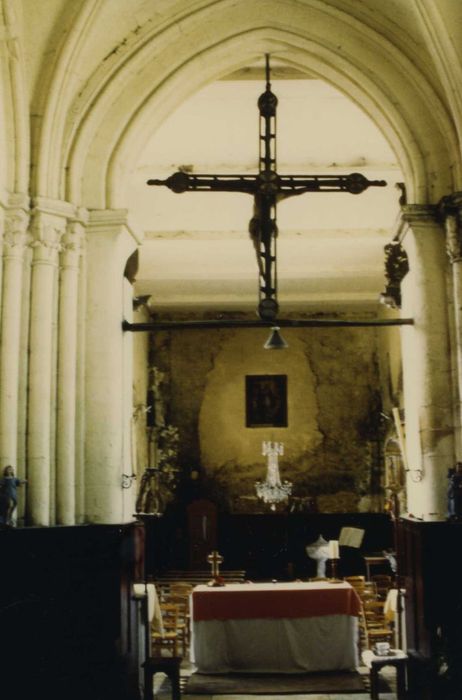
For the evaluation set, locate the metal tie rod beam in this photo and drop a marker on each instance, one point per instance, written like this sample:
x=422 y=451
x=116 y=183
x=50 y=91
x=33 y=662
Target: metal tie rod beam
x=281 y=323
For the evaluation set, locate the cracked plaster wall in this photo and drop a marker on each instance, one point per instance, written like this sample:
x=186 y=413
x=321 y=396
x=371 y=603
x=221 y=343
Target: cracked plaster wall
x=332 y=444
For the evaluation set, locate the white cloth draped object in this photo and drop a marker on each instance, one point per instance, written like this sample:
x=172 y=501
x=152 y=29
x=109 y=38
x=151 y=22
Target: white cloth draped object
x=154 y=611
x=280 y=645
x=275 y=628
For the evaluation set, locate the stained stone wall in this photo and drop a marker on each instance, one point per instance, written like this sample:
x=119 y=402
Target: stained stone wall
x=333 y=441
x=140 y=444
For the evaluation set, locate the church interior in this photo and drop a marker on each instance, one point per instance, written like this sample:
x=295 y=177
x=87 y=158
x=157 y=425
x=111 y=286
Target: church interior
x=187 y=369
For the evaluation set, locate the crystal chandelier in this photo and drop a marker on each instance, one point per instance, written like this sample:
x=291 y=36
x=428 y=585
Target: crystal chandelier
x=272 y=490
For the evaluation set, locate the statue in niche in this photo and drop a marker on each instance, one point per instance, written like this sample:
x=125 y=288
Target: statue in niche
x=148 y=499
x=138 y=418
x=160 y=479
x=395 y=480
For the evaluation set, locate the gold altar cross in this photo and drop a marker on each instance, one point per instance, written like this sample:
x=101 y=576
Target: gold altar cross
x=215 y=559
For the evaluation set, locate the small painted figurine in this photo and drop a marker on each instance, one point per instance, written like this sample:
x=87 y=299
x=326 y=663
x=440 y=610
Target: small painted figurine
x=8 y=496
x=455 y=492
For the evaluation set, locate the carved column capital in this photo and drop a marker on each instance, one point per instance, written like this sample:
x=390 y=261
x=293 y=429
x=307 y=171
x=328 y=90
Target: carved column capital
x=72 y=243
x=16 y=235
x=47 y=230
x=46 y=243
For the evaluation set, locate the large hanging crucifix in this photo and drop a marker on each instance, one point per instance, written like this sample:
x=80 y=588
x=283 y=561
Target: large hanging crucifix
x=267 y=188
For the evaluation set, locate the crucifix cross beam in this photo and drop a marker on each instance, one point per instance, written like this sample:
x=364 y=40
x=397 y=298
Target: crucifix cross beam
x=267 y=188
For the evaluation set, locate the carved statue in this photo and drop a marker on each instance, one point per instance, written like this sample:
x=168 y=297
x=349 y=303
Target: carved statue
x=396 y=267
x=455 y=492
x=8 y=496
x=148 y=500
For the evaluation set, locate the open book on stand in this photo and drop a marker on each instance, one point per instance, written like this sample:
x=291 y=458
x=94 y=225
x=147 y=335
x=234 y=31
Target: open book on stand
x=351 y=537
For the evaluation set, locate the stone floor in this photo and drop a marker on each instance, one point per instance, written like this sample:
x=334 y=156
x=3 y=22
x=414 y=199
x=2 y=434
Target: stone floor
x=161 y=690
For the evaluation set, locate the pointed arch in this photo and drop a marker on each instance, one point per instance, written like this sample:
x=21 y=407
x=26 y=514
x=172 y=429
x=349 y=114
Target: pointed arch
x=15 y=145
x=108 y=121
x=53 y=98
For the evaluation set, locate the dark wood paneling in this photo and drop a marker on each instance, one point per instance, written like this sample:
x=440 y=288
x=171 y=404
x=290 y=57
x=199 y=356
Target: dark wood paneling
x=267 y=545
x=273 y=546
x=67 y=612
x=430 y=559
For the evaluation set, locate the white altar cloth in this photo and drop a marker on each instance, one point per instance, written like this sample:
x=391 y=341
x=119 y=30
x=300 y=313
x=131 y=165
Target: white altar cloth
x=288 y=644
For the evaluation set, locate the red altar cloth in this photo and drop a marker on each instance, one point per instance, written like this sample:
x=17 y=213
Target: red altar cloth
x=278 y=600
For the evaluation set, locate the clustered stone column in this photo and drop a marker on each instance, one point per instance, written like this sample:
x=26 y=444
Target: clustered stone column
x=451 y=213
x=47 y=230
x=2 y=226
x=65 y=363
x=426 y=363
x=70 y=256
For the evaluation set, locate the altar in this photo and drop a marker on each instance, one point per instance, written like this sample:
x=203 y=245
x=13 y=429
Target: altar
x=275 y=628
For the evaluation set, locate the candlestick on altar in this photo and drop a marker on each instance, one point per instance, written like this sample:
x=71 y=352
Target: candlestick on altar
x=334 y=556
x=334 y=572
x=215 y=559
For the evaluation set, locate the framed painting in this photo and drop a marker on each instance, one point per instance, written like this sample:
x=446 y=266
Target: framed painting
x=266 y=400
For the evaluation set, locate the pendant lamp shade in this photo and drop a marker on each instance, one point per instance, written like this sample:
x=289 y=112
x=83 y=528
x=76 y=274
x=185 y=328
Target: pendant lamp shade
x=275 y=341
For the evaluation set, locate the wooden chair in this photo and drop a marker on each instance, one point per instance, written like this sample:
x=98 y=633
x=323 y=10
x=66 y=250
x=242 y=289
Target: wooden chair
x=362 y=587
x=373 y=627
x=355 y=579
x=162 y=591
x=378 y=634
x=167 y=638
x=383 y=583
x=181 y=592
x=181 y=587
x=370 y=589
x=374 y=613
x=358 y=582
x=183 y=624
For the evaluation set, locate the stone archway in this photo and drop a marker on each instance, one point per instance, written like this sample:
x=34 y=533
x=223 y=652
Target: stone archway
x=105 y=123
x=96 y=109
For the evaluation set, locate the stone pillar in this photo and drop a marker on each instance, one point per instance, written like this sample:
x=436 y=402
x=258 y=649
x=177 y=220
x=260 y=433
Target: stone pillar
x=451 y=213
x=49 y=224
x=110 y=242
x=80 y=388
x=3 y=208
x=426 y=364
x=128 y=494
x=23 y=390
x=14 y=245
x=67 y=373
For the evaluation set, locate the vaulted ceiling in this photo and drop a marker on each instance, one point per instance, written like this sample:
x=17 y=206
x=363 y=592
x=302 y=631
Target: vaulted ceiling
x=123 y=90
